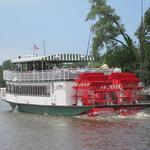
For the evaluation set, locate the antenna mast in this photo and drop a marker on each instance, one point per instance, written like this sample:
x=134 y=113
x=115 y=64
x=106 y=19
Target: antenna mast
x=90 y=34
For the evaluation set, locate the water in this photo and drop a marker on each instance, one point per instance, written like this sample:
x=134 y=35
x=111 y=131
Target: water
x=22 y=131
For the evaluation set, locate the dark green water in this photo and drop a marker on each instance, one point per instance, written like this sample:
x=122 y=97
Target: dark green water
x=20 y=131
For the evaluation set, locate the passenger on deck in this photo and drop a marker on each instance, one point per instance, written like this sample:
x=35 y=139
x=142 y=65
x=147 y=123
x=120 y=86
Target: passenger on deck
x=50 y=68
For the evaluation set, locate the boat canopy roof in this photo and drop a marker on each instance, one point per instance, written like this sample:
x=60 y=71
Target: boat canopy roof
x=26 y=59
x=56 y=58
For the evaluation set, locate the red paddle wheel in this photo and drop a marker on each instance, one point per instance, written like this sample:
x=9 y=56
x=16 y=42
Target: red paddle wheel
x=93 y=89
x=126 y=90
x=100 y=89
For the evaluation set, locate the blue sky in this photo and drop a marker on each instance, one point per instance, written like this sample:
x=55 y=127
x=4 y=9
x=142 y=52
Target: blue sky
x=61 y=23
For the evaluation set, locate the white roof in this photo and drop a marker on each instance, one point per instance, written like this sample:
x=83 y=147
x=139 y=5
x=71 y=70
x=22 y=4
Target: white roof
x=57 y=57
x=26 y=59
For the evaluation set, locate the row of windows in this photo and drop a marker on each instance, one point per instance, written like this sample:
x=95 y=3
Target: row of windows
x=29 y=90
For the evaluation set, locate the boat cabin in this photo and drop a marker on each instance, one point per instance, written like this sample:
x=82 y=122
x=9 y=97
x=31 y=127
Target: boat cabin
x=35 y=63
x=47 y=68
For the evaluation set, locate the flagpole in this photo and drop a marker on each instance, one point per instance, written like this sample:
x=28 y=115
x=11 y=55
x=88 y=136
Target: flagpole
x=44 y=47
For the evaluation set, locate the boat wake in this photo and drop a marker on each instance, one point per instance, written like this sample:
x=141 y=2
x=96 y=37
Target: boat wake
x=140 y=115
x=113 y=117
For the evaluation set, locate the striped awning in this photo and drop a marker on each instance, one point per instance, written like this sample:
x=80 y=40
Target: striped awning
x=68 y=58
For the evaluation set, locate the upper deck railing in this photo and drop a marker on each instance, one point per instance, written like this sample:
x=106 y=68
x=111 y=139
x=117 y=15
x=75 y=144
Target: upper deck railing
x=49 y=75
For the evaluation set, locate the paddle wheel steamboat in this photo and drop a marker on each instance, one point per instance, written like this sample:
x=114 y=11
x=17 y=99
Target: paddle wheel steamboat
x=55 y=85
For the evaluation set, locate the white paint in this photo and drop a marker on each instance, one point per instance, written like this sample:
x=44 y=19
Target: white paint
x=70 y=100
x=61 y=94
x=37 y=100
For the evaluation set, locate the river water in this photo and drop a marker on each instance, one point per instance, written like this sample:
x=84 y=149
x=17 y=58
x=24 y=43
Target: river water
x=23 y=131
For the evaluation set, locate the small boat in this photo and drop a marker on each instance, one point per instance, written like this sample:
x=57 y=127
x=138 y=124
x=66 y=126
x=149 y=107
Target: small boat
x=67 y=85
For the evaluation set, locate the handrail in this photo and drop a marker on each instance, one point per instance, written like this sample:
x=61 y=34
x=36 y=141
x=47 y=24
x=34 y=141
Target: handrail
x=39 y=75
x=49 y=75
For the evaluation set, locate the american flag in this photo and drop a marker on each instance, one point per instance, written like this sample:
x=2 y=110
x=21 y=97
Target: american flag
x=35 y=47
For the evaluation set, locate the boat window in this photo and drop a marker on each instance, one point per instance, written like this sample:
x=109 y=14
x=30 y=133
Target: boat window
x=47 y=90
x=73 y=57
x=70 y=56
x=28 y=90
x=34 y=90
x=22 y=89
x=64 y=56
x=25 y=90
x=12 y=89
x=15 y=89
x=67 y=56
x=77 y=57
x=61 y=57
x=40 y=91
x=19 y=90
x=43 y=90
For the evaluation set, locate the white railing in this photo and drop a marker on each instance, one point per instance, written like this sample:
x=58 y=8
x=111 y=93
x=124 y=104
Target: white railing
x=60 y=74
x=49 y=75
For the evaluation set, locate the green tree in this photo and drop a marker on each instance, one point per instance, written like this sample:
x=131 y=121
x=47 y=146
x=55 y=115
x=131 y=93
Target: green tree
x=120 y=57
x=2 y=82
x=7 y=65
x=108 y=30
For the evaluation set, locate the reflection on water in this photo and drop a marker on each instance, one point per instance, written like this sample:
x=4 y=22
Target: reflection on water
x=25 y=131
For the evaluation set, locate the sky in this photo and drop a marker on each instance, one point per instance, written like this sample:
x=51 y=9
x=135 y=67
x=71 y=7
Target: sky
x=60 y=23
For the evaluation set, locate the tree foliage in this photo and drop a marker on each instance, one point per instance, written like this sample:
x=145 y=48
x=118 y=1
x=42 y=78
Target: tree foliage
x=146 y=28
x=120 y=57
x=7 y=65
x=2 y=82
x=109 y=32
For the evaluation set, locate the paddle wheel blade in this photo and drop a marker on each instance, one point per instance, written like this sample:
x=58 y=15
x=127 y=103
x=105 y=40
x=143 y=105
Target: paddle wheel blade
x=127 y=91
x=94 y=89
x=98 y=89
